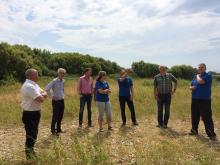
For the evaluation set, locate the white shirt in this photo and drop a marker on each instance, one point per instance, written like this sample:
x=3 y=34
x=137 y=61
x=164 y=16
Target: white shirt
x=29 y=92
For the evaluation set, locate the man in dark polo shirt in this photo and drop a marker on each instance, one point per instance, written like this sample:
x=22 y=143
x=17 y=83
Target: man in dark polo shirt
x=163 y=90
x=201 y=102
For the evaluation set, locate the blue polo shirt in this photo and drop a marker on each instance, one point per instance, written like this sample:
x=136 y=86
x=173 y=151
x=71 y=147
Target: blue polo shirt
x=125 y=86
x=99 y=96
x=202 y=91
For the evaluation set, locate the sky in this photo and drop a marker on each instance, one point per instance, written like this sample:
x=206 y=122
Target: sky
x=168 y=32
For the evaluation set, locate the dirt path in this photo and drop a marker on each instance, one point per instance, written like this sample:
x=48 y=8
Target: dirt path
x=12 y=140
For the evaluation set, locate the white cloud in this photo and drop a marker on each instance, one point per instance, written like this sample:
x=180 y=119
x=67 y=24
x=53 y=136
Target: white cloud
x=110 y=27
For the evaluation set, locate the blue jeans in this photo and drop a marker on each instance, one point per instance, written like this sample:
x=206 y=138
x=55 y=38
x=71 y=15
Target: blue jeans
x=163 y=100
x=83 y=100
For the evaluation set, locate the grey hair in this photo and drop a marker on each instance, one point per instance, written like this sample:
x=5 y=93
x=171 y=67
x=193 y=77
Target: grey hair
x=29 y=72
x=61 y=70
x=162 y=66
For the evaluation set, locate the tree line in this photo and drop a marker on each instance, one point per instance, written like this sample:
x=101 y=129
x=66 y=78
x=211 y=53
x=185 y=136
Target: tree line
x=15 y=59
x=149 y=70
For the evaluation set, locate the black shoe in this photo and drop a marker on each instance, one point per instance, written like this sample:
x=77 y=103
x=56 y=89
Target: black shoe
x=89 y=125
x=101 y=130
x=159 y=126
x=110 y=128
x=165 y=126
x=193 y=132
x=30 y=153
x=135 y=123
x=53 y=132
x=60 y=131
x=123 y=124
x=80 y=126
x=213 y=138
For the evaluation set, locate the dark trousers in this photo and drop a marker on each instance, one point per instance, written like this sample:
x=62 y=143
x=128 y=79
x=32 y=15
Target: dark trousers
x=202 y=107
x=31 y=121
x=163 y=100
x=58 y=110
x=83 y=100
x=123 y=100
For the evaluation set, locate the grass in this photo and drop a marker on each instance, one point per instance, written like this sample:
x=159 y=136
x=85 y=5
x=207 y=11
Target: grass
x=144 y=144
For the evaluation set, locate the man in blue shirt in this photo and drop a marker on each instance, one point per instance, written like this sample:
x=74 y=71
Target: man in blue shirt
x=126 y=95
x=201 y=102
x=57 y=96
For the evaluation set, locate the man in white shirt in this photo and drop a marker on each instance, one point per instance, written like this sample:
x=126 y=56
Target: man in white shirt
x=32 y=96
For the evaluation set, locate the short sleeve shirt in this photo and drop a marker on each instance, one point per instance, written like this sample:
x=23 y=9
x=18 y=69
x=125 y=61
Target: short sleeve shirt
x=99 y=96
x=125 y=86
x=29 y=92
x=163 y=83
x=202 y=91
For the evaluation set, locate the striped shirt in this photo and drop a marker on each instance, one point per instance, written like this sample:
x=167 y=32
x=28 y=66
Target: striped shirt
x=85 y=85
x=57 y=86
x=163 y=83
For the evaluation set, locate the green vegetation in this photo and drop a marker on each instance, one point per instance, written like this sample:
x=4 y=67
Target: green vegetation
x=144 y=144
x=143 y=69
x=15 y=59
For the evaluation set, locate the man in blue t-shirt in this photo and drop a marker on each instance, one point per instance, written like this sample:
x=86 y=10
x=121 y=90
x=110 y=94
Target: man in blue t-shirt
x=126 y=95
x=201 y=102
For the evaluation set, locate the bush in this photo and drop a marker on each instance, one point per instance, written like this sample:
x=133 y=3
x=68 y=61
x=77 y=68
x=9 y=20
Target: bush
x=183 y=71
x=143 y=69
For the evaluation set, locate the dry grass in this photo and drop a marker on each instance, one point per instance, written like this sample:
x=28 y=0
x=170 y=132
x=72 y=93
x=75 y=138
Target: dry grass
x=144 y=144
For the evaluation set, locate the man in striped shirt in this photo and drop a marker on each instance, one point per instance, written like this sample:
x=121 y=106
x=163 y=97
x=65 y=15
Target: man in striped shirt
x=85 y=91
x=57 y=96
x=163 y=90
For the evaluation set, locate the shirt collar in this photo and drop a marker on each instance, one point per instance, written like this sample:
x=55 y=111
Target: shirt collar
x=203 y=73
x=163 y=75
x=84 y=76
x=57 y=79
x=30 y=81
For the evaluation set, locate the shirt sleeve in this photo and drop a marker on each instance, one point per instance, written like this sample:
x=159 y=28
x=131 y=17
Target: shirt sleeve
x=131 y=82
x=98 y=86
x=155 y=82
x=107 y=85
x=173 y=78
x=33 y=92
x=92 y=85
x=49 y=87
x=79 y=86
x=207 y=78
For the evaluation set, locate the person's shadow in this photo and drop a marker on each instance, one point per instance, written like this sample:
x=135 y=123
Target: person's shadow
x=214 y=144
x=99 y=137
x=124 y=130
x=169 y=132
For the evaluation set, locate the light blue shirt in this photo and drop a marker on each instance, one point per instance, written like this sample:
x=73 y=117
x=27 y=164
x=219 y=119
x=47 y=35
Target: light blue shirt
x=57 y=87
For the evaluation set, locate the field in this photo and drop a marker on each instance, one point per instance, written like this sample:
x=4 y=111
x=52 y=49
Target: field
x=144 y=144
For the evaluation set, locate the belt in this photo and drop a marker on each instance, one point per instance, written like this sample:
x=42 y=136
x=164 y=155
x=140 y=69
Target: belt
x=86 y=94
x=32 y=111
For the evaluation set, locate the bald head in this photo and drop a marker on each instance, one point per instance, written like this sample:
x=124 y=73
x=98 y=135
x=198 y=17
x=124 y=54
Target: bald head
x=31 y=74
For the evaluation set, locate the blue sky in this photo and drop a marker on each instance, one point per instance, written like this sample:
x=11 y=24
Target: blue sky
x=168 y=32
